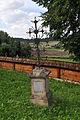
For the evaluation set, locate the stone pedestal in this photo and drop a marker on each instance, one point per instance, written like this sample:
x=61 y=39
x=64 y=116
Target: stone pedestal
x=40 y=87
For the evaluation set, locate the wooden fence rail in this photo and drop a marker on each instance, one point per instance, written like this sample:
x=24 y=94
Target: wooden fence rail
x=59 y=69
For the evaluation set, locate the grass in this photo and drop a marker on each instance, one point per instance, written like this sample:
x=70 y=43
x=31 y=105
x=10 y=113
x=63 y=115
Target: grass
x=15 y=92
x=64 y=59
x=55 y=49
x=52 y=48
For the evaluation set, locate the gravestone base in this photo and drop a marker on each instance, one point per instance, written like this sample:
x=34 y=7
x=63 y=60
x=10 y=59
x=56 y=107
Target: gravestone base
x=39 y=101
x=41 y=94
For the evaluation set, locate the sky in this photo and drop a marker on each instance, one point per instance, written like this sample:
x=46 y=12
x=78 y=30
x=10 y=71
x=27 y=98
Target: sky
x=16 y=16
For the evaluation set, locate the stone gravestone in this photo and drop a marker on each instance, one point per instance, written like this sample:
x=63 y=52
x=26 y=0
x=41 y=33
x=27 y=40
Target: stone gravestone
x=41 y=94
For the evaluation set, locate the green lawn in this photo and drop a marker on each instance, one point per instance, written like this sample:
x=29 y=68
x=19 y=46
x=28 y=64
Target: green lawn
x=64 y=59
x=14 y=99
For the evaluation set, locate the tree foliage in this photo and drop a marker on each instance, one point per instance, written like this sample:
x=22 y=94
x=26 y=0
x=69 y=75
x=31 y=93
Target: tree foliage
x=63 y=16
x=12 y=47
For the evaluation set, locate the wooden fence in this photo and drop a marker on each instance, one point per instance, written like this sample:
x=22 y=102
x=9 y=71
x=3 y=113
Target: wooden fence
x=59 y=69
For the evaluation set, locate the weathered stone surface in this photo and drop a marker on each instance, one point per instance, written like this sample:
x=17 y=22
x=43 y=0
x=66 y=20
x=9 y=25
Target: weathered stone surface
x=40 y=72
x=40 y=87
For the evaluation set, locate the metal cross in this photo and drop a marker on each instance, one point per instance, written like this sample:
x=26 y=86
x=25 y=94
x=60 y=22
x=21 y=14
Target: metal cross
x=37 y=40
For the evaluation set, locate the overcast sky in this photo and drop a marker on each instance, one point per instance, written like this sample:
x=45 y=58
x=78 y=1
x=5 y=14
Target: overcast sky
x=16 y=16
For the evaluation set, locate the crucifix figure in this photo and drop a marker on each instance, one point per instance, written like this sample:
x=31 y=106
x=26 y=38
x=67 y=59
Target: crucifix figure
x=37 y=40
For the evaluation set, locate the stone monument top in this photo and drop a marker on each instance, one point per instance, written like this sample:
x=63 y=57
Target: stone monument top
x=40 y=72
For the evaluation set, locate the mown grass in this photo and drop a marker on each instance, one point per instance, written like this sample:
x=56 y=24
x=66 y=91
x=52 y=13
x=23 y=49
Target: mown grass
x=15 y=92
x=64 y=59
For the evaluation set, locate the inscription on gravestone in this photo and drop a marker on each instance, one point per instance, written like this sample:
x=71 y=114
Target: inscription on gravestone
x=38 y=86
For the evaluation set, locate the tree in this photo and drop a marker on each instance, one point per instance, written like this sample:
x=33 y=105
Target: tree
x=25 y=50
x=4 y=49
x=4 y=37
x=63 y=16
x=18 y=49
x=13 y=46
